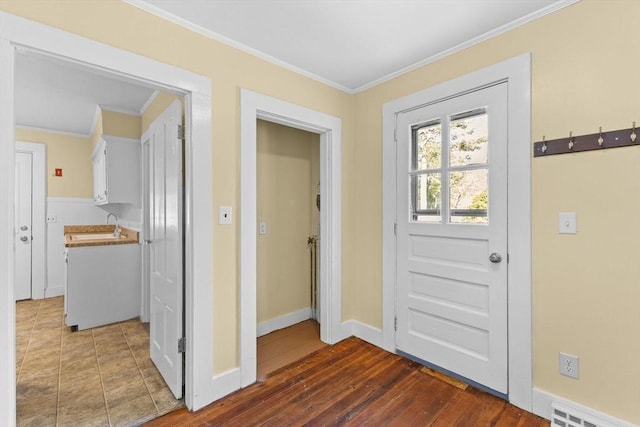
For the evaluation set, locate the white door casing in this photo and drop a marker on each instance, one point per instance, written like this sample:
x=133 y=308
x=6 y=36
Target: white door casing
x=257 y=106
x=17 y=32
x=165 y=266
x=23 y=225
x=516 y=72
x=451 y=299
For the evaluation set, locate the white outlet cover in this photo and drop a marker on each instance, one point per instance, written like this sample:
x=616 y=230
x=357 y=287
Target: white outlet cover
x=567 y=223
x=569 y=365
x=224 y=215
x=263 y=228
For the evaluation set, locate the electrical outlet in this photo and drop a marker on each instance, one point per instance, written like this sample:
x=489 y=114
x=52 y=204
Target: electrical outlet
x=569 y=365
x=263 y=228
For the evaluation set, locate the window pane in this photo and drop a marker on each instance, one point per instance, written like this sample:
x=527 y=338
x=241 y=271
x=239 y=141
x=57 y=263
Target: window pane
x=426 y=197
x=469 y=196
x=427 y=147
x=469 y=140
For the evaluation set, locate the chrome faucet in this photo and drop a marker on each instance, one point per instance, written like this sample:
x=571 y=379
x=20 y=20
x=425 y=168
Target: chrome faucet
x=117 y=231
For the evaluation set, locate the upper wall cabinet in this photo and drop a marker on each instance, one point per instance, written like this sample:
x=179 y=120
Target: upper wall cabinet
x=116 y=171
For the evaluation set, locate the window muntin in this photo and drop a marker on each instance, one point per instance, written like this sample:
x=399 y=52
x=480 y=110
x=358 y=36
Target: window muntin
x=426 y=173
x=450 y=164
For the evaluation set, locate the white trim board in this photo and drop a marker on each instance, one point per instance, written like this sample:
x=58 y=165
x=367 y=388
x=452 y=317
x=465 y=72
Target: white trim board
x=284 y=321
x=257 y=106
x=17 y=32
x=517 y=73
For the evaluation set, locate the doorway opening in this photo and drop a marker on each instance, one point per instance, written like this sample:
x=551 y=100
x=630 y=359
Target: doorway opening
x=50 y=354
x=256 y=106
x=19 y=34
x=31 y=233
x=288 y=214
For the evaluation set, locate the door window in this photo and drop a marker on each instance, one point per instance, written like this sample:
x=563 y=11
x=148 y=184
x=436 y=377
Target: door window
x=449 y=166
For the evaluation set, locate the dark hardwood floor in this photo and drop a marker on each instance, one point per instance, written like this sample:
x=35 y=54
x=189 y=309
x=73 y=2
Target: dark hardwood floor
x=354 y=383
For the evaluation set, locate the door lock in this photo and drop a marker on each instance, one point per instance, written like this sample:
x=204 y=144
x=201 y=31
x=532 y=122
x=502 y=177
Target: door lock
x=495 y=257
x=24 y=238
x=24 y=228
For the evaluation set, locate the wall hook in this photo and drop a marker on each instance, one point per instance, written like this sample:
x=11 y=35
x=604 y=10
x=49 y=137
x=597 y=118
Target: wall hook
x=633 y=133
x=600 y=138
x=544 y=145
x=571 y=143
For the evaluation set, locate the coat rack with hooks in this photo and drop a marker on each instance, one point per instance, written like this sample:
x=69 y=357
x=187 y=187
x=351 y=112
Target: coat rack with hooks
x=595 y=141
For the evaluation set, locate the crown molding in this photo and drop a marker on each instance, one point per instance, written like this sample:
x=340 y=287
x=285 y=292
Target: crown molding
x=255 y=52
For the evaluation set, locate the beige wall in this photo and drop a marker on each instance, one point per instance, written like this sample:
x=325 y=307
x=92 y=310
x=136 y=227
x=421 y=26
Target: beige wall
x=584 y=75
x=586 y=297
x=97 y=131
x=159 y=104
x=285 y=173
x=229 y=70
x=119 y=124
x=72 y=154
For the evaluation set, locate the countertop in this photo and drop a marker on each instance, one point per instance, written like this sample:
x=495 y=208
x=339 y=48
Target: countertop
x=128 y=236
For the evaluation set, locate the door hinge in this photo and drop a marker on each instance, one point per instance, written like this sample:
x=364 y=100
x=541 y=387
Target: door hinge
x=182 y=343
x=180 y=132
x=507 y=257
x=395 y=134
x=395 y=324
x=395 y=228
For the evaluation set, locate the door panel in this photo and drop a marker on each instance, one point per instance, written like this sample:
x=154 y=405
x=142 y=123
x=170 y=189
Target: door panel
x=165 y=224
x=23 y=225
x=451 y=301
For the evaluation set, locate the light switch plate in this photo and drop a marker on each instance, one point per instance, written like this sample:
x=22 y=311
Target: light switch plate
x=567 y=223
x=224 y=215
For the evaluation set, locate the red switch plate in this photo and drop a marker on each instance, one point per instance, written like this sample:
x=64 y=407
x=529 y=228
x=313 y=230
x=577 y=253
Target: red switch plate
x=58 y=172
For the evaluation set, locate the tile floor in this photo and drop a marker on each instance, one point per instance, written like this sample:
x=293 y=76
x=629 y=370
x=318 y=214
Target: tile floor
x=96 y=377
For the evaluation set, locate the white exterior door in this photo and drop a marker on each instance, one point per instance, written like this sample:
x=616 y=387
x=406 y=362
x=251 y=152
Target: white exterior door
x=166 y=248
x=451 y=245
x=23 y=225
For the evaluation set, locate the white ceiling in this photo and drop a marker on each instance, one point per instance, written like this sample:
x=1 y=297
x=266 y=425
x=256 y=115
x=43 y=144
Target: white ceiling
x=348 y=44
x=351 y=44
x=61 y=96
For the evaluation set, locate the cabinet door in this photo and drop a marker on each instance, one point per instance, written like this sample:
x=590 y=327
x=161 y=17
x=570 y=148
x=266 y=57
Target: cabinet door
x=100 y=175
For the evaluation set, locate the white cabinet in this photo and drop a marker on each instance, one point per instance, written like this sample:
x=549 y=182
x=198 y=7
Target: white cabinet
x=116 y=171
x=103 y=285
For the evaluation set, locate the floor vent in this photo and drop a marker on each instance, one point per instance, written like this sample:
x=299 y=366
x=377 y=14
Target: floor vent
x=563 y=416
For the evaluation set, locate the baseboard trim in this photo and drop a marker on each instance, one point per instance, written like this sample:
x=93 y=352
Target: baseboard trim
x=225 y=383
x=364 y=332
x=285 y=321
x=542 y=401
x=53 y=291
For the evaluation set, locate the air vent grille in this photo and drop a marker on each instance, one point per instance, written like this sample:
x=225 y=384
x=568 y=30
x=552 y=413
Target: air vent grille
x=570 y=417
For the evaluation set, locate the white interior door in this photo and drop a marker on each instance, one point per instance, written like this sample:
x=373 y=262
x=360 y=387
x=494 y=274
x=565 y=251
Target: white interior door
x=23 y=225
x=166 y=248
x=451 y=280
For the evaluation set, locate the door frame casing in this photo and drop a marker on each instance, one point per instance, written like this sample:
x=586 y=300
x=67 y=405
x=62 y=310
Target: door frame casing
x=21 y=33
x=255 y=106
x=517 y=73
x=38 y=216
